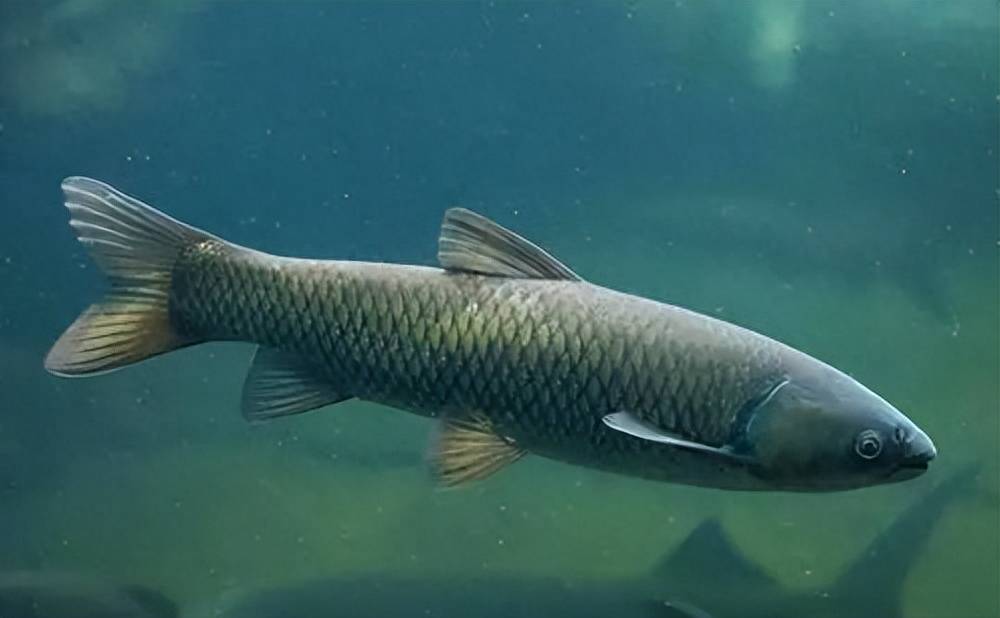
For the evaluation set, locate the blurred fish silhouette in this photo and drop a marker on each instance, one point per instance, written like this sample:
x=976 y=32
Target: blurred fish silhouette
x=46 y=594
x=707 y=576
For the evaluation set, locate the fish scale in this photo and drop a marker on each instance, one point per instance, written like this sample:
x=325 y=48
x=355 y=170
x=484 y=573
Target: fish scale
x=543 y=360
x=511 y=347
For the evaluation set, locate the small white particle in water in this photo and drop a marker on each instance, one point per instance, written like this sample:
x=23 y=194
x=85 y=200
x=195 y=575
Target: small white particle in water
x=503 y=507
x=972 y=251
x=499 y=541
x=277 y=224
x=128 y=157
x=267 y=131
x=947 y=228
x=300 y=540
x=808 y=572
x=809 y=229
x=903 y=171
x=515 y=212
x=65 y=542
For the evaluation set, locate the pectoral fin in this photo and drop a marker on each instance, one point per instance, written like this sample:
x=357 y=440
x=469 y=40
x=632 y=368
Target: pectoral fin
x=470 y=450
x=280 y=383
x=628 y=423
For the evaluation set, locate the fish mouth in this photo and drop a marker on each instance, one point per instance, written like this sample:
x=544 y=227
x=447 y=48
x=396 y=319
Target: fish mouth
x=919 y=451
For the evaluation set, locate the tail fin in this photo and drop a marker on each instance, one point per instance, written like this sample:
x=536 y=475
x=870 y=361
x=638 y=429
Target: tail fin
x=136 y=246
x=876 y=578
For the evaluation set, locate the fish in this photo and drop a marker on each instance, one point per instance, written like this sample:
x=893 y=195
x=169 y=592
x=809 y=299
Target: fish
x=52 y=594
x=871 y=586
x=706 y=576
x=506 y=347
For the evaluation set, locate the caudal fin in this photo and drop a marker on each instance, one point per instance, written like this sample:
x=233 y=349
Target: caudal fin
x=136 y=246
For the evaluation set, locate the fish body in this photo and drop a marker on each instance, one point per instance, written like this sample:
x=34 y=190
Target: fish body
x=511 y=349
x=542 y=361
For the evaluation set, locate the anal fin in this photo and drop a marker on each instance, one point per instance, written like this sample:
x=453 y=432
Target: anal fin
x=280 y=383
x=470 y=449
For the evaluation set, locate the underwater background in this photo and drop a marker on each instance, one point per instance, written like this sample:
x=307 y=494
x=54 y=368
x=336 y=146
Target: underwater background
x=824 y=172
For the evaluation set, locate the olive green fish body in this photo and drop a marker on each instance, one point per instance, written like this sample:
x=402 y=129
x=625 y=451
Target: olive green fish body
x=545 y=361
x=509 y=348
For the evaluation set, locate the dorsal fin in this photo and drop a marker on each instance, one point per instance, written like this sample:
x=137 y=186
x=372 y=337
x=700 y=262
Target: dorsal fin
x=472 y=243
x=708 y=554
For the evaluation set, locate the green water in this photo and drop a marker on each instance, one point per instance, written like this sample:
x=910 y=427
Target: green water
x=823 y=172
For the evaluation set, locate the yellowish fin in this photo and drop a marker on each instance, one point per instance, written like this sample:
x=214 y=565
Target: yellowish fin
x=136 y=246
x=471 y=450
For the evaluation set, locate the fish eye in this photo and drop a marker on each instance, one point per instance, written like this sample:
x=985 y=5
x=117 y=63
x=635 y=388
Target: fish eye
x=867 y=445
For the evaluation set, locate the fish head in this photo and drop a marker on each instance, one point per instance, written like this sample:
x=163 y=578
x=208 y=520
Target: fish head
x=821 y=430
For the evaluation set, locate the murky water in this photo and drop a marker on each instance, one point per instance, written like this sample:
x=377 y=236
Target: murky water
x=822 y=172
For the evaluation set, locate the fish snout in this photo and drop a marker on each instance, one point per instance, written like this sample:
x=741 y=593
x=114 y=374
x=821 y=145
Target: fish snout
x=918 y=450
